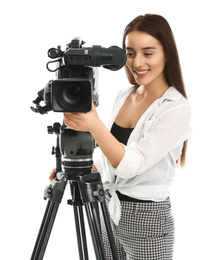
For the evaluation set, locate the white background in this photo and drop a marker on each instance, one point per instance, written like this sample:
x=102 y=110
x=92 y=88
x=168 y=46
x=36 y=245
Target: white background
x=28 y=30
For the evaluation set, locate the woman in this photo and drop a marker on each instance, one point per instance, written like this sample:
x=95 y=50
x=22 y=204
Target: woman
x=145 y=141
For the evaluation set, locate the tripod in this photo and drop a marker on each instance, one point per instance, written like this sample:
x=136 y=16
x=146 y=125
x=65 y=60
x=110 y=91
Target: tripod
x=86 y=190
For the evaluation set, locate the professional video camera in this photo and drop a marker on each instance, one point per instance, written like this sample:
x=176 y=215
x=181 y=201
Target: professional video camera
x=76 y=86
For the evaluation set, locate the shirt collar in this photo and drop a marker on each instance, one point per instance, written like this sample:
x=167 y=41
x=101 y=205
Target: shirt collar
x=170 y=94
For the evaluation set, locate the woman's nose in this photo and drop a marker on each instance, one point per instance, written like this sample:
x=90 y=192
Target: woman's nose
x=138 y=61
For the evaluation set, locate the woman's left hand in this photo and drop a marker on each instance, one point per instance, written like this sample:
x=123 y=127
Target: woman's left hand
x=82 y=121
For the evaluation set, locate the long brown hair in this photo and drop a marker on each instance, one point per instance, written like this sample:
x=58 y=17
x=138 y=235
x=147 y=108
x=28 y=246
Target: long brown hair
x=158 y=27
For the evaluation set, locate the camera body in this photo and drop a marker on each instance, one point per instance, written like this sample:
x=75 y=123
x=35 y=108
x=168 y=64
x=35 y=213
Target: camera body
x=75 y=88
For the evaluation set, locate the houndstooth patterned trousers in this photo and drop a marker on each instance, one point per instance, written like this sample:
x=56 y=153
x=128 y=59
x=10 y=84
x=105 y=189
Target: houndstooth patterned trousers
x=145 y=231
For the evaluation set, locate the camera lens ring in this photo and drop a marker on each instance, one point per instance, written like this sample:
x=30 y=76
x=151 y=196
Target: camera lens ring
x=73 y=95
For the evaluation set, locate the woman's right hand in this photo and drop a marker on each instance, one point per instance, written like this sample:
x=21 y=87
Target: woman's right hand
x=52 y=175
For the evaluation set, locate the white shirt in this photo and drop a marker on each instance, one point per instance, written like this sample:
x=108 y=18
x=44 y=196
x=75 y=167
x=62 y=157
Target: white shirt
x=147 y=168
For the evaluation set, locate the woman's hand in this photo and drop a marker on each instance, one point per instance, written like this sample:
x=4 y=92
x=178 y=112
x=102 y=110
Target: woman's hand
x=82 y=121
x=52 y=175
x=90 y=122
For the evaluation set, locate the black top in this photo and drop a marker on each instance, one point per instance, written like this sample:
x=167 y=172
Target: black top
x=122 y=134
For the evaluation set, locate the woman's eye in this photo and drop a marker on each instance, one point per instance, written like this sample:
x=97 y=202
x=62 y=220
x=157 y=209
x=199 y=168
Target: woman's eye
x=130 y=54
x=148 y=54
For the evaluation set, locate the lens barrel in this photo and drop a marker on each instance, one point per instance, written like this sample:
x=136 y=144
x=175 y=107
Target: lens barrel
x=72 y=95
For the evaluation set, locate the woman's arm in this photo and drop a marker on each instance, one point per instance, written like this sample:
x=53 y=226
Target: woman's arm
x=110 y=146
x=171 y=127
x=90 y=122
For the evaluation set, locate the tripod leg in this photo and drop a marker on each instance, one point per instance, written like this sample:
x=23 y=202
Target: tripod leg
x=45 y=231
x=96 y=237
x=96 y=219
x=81 y=234
x=55 y=193
x=77 y=204
x=92 y=192
x=80 y=227
x=109 y=230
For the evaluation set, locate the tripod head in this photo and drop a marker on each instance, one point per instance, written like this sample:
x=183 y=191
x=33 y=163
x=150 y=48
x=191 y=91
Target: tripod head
x=75 y=147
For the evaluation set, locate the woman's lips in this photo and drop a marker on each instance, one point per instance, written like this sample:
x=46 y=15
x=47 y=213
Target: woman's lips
x=141 y=73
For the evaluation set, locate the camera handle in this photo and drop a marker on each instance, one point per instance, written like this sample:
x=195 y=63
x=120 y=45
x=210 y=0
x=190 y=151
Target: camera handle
x=86 y=190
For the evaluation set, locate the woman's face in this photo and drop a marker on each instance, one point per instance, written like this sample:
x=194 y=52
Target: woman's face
x=145 y=58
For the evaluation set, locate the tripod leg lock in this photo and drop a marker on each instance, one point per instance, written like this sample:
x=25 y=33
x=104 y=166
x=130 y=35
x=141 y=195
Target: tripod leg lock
x=91 y=188
x=99 y=193
x=47 y=192
x=54 y=192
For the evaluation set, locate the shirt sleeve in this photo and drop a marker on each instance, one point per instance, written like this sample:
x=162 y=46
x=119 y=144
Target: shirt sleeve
x=97 y=159
x=170 y=130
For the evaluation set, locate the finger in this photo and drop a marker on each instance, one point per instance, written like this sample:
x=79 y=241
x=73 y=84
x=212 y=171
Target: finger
x=74 y=116
x=69 y=123
x=52 y=175
x=69 y=119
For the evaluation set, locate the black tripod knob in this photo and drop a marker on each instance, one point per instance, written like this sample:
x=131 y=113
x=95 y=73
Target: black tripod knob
x=54 y=129
x=50 y=129
x=99 y=192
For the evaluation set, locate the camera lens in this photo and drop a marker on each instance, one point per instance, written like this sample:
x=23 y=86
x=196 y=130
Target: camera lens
x=73 y=95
